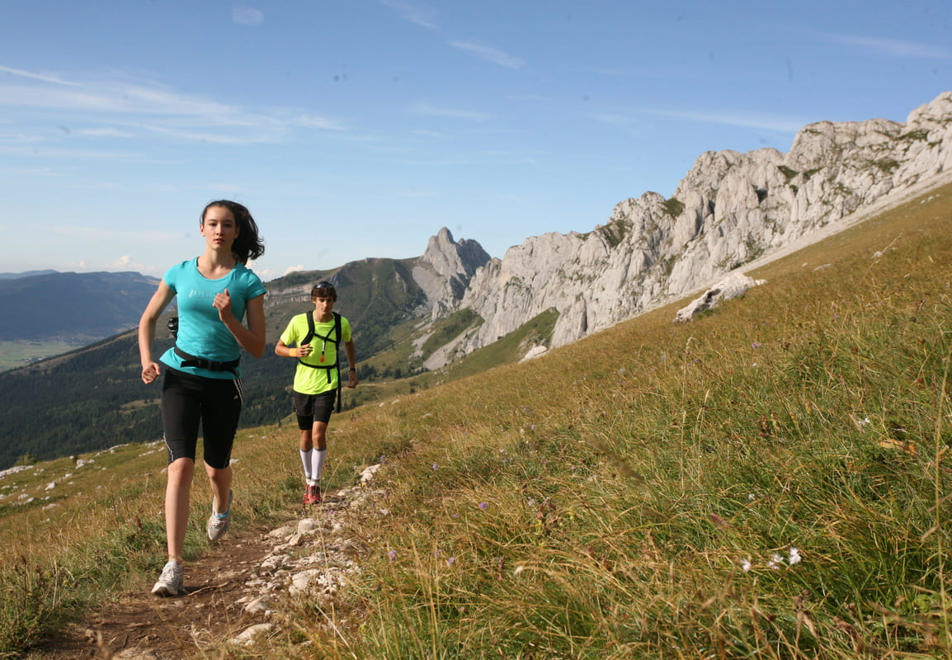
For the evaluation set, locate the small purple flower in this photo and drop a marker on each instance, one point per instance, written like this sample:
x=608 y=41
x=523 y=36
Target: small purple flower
x=756 y=344
x=392 y=554
x=455 y=515
x=435 y=467
x=451 y=561
x=532 y=427
x=483 y=505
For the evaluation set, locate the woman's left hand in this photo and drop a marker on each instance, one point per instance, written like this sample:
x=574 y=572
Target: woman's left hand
x=222 y=303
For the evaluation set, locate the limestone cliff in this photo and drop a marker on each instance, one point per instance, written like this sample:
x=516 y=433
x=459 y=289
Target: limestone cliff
x=729 y=210
x=445 y=269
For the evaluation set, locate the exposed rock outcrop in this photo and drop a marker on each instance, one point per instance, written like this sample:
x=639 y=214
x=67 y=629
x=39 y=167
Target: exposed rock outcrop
x=313 y=558
x=445 y=269
x=729 y=210
x=735 y=285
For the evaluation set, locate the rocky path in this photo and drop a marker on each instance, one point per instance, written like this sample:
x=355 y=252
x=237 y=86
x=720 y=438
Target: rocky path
x=234 y=592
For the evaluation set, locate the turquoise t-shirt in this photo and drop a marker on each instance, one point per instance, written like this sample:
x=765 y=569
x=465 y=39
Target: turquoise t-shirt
x=308 y=380
x=201 y=333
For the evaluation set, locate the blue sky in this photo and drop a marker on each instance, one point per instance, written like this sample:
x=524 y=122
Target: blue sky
x=356 y=129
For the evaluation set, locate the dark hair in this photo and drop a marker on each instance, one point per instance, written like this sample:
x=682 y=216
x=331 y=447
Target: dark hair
x=248 y=245
x=324 y=285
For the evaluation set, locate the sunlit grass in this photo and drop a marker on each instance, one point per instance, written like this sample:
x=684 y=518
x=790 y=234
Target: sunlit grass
x=770 y=480
x=15 y=354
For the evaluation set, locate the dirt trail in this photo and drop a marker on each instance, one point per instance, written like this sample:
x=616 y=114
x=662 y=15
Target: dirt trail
x=140 y=625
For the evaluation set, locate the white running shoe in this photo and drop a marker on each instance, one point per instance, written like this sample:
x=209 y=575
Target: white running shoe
x=170 y=582
x=218 y=522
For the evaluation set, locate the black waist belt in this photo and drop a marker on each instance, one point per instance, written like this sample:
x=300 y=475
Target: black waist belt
x=202 y=363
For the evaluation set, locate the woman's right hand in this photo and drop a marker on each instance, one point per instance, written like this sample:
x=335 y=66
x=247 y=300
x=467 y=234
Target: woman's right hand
x=150 y=372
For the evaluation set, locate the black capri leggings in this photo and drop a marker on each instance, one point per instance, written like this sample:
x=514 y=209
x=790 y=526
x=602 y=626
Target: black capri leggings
x=188 y=400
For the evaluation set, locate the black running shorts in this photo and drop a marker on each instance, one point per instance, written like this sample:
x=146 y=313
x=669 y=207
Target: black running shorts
x=312 y=408
x=188 y=400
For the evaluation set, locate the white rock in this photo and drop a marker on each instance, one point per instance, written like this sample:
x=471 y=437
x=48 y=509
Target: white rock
x=304 y=581
x=258 y=606
x=534 y=352
x=369 y=473
x=733 y=286
x=247 y=636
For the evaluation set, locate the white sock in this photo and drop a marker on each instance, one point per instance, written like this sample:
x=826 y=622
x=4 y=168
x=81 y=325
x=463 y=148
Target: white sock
x=306 y=460
x=317 y=464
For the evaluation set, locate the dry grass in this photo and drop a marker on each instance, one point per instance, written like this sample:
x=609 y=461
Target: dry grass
x=768 y=481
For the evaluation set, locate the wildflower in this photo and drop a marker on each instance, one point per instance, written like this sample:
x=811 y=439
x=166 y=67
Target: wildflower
x=392 y=554
x=755 y=345
x=532 y=427
x=794 y=556
x=751 y=497
x=435 y=467
x=746 y=565
x=483 y=505
x=450 y=561
x=774 y=562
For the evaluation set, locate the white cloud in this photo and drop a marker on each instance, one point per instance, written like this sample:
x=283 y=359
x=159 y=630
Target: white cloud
x=744 y=120
x=104 y=132
x=247 y=16
x=42 y=77
x=111 y=97
x=893 y=47
x=122 y=103
x=84 y=154
x=314 y=121
x=489 y=53
x=413 y=13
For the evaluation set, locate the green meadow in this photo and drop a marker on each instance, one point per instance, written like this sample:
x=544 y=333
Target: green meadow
x=15 y=354
x=771 y=480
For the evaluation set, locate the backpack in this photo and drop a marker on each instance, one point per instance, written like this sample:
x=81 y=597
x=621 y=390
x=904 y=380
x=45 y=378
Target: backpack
x=311 y=333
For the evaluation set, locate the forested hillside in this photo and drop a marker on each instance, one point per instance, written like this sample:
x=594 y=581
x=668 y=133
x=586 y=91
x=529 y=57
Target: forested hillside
x=92 y=398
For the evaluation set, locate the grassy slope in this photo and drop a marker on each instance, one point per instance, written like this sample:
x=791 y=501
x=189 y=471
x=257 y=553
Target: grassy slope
x=15 y=354
x=605 y=500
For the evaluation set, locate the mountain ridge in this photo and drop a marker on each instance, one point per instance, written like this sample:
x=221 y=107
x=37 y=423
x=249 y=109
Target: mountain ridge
x=75 y=306
x=730 y=210
x=730 y=213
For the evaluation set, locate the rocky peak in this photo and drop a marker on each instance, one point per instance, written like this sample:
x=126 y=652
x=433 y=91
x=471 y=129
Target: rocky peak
x=445 y=269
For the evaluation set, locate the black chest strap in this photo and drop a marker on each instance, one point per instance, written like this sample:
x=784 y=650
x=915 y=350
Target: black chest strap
x=311 y=334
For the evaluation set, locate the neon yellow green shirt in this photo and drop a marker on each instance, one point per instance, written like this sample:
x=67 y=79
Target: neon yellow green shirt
x=308 y=380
